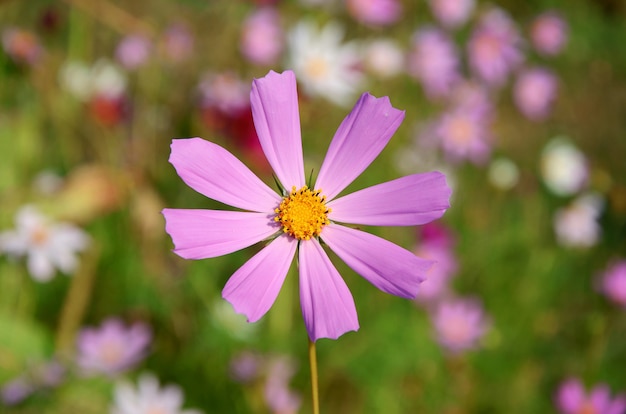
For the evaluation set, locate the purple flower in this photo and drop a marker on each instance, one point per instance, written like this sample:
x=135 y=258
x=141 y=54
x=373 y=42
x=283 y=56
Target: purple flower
x=548 y=33
x=494 y=48
x=297 y=219
x=113 y=348
x=452 y=13
x=437 y=244
x=133 y=51
x=433 y=61
x=459 y=324
x=40 y=377
x=571 y=398
x=279 y=397
x=464 y=133
x=375 y=12
x=178 y=43
x=534 y=92
x=262 y=39
x=613 y=283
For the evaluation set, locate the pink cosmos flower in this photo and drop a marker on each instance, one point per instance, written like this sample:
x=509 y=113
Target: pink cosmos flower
x=452 y=13
x=437 y=243
x=613 y=283
x=465 y=134
x=262 y=39
x=494 y=48
x=133 y=51
x=459 y=324
x=433 y=61
x=113 y=348
x=375 y=12
x=576 y=225
x=178 y=43
x=548 y=33
x=571 y=398
x=297 y=219
x=534 y=92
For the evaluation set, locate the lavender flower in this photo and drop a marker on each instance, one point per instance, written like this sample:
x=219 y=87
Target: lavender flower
x=133 y=51
x=434 y=62
x=112 y=348
x=549 y=33
x=459 y=324
x=375 y=12
x=262 y=38
x=465 y=134
x=494 y=48
x=452 y=13
x=571 y=398
x=613 y=282
x=534 y=92
x=296 y=219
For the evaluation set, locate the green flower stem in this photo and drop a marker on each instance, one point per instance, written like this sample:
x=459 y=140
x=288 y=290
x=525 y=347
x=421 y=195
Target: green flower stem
x=314 y=387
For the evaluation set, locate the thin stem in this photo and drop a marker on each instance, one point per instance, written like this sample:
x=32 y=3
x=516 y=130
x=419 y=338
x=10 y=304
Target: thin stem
x=314 y=388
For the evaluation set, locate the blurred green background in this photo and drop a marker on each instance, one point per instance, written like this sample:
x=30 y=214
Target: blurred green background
x=548 y=321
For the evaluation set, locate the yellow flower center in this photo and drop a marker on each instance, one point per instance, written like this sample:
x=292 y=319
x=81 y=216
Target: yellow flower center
x=303 y=213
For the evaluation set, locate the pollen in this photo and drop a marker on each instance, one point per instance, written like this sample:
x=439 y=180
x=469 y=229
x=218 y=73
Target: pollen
x=303 y=213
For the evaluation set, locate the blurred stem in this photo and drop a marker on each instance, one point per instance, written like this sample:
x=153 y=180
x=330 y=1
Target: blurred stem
x=76 y=301
x=314 y=388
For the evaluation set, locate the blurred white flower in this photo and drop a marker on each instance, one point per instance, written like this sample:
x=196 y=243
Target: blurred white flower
x=503 y=174
x=84 y=82
x=564 y=167
x=577 y=224
x=148 y=398
x=384 y=58
x=47 y=246
x=324 y=66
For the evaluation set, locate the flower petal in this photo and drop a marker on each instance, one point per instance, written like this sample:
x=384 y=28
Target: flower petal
x=253 y=288
x=274 y=101
x=327 y=304
x=387 y=266
x=407 y=201
x=216 y=173
x=200 y=234
x=360 y=138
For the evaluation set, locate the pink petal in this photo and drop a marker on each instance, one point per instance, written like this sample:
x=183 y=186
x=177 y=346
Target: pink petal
x=327 y=305
x=274 y=100
x=408 y=201
x=253 y=288
x=200 y=234
x=387 y=266
x=216 y=173
x=360 y=138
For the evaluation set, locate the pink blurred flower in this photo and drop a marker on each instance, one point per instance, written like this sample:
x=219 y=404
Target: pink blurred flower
x=465 y=134
x=133 y=51
x=433 y=61
x=375 y=12
x=494 y=48
x=278 y=396
x=534 y=92
x=613 y=282
x=21 y=45
x=246 y=366
x=452 y=13
x=45 y=376
x=436 y=243
x=571 y=398
x=112 y=348
x=459 y=324
x=549 y=33
x=178 y=43
x=300 y=216
x=262 y=38
x=47 y=245
x=577 y=224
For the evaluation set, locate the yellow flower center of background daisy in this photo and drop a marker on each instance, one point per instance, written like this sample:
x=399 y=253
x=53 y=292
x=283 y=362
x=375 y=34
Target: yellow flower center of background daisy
x=303 y=213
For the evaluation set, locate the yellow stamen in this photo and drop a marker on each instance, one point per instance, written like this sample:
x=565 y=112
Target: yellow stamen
x=303 y=213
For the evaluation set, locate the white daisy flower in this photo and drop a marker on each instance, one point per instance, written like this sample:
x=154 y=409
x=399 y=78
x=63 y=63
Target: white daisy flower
x=47 y=246
x=324 y=66
x=148 y=398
